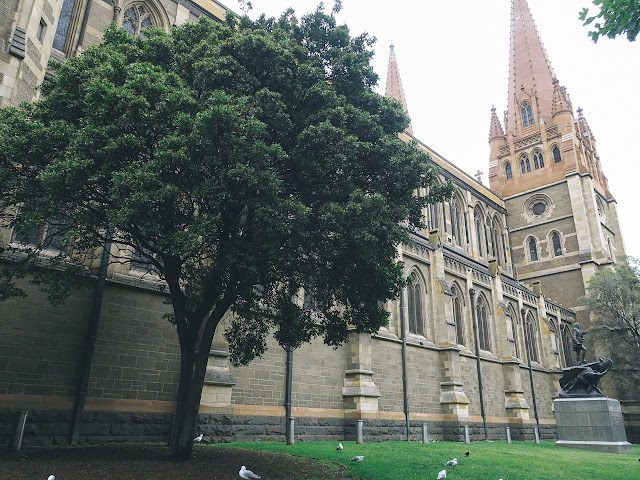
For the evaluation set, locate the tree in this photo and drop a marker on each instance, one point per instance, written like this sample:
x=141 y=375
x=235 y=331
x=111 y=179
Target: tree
x=243 y=162
x=613 y=296
x=619 y=16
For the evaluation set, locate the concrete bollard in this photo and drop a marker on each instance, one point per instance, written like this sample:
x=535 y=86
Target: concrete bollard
x=425 y=433
x=15 y=442
x=509 y=435
x=359 y=432
x=536 y=434
x=467 y=437
x=290 y=430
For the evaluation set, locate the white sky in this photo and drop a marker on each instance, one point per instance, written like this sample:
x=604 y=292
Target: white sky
x=453 y=61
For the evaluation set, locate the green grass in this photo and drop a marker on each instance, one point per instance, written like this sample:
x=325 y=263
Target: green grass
x=488 y=461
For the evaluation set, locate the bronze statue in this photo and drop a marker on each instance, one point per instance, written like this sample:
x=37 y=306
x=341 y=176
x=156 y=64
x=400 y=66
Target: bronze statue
x=578 y=346
x=582 y=380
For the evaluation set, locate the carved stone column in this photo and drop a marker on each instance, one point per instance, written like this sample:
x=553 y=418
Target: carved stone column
x=359 y=391
x=218 y=381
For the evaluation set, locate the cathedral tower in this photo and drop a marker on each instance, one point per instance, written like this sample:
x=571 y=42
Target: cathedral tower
x=545 y=164
x=394 y=88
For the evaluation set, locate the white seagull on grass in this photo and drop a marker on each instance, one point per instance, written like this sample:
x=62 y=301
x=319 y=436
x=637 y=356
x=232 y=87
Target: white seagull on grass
x=452 y=463
x=357 y=458
x=198 y=438
x=442 y=474
x=247 y=474
x=51 y=477
x=339 y=447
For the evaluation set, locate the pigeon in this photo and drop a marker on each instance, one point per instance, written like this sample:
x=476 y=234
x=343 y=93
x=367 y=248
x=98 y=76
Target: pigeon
x=452 y=463
x=357 y=458
x=247 y=474
x=198 y=438
x=339 y=447
x=442 y=474
x=51 y=477
x=467 y=453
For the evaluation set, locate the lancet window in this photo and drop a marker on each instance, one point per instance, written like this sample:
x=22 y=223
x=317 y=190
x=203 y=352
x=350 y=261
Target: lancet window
x=557 y=247
x=507 y=170
x=530 y=335
x=483 y=324
x=556 y=154
x=533 y=249
x=414 y=302
x=538 y=161
x=527 y=115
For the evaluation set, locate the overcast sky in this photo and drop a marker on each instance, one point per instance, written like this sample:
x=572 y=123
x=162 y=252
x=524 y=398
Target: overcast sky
x=453 y=61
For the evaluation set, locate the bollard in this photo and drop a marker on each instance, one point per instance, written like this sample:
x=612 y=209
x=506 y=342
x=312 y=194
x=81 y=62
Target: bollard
x=536 y=434
x=290 y=429
x=15 y=442
x=509 y=435
x=467 y=437
x=359 y=432
x=425 y=434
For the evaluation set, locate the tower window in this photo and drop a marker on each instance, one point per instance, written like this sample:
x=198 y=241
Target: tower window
x=42 y=28
x=538 y=162
x=533 y=249
x=525 y=164
x=527 y=115
x=556 y=154
x=507 y=169
x=557 y=248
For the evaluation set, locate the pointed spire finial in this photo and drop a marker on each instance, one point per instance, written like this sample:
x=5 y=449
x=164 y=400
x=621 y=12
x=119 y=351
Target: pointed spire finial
x=394 y=84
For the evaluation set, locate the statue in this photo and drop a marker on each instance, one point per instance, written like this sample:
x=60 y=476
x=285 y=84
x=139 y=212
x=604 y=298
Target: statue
x=582 y=380
x=578 y=346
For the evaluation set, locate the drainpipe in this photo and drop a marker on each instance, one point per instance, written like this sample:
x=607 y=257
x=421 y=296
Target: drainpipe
x=405 y=386
x=472 y=294
x=93 y=333
x=533 y=390
x=289 y=382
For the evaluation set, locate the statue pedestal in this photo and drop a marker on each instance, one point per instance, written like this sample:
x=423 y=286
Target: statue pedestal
x=591 y=423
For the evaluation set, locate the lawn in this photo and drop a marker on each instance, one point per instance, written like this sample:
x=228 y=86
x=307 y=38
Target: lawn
x=487 y=460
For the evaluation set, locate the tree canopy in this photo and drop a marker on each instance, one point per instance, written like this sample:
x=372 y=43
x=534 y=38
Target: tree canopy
x=614 y=17
x=242 y=162
x=613 y=296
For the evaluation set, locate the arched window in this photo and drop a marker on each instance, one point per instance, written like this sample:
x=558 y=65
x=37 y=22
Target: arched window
x=538 y=162
x=523 y=167
x=515 y=325
x=457 y=317
x=507 y=170
x=494 y=240
x=478 y=218
x=414 y=302
x=434 y=219
x=136 y=18
x=565 y=337
x=527 y=115
x=487 y=233
x=557 y=248
x=457 y=222
x=525 y=164
x=556 y=154
x=483 y=325
x=530 y=336
x=533 y=249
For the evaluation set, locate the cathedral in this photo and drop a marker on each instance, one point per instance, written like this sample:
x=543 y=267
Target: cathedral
x=475 y=345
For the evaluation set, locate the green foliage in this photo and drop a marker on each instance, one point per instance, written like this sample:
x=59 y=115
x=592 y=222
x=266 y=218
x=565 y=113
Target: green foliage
x=494 y=460
x=613 y=296
x=614 y=18
x=245 y=161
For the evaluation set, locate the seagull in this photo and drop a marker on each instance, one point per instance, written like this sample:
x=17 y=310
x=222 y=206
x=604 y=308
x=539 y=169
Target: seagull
x=452 y=463
x=247 y=474
x=198 y=438
x=467 y=453
x=442 y=474
x=358 y=458
x=51 y=477
x=340 y=447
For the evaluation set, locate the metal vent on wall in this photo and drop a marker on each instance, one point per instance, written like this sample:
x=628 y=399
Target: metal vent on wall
x=18 y=43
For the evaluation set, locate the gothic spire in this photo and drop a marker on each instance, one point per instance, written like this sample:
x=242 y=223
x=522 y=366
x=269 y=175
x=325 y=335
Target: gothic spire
x=394 y=85
x=495 y=129
x=530 y=71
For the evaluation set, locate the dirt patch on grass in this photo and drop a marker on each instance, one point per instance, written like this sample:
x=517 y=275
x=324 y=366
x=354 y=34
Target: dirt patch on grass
x=150 y=461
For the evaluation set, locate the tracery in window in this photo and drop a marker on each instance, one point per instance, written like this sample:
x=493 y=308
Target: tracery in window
x=137 y=17
x=478 y=220
x=538 y=162
x=414 y=303
x=530 y=335
x=457 y=222
x=527 y=115
x=483 y=325
x=525 y=164
x=457 y=315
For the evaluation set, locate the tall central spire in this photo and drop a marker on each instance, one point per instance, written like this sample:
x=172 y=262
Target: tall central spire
x=394 y=85
x=530 y=71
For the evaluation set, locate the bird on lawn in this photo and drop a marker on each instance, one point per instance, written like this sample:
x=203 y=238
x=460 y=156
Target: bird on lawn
x=198 y=438
x=442 y=474
x=51 y=477
x=452 y=463
x=339 y=447
x=357 y=458
x=247 y=474
x=467 y=454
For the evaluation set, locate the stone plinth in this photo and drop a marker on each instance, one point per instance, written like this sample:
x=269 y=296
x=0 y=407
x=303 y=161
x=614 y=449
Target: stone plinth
x=591 y=424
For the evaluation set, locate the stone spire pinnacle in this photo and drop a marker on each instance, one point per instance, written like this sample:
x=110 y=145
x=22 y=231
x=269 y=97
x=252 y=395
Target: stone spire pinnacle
x=530 y=72
x=394 y=85
x=561 y=102
x=495 y=129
